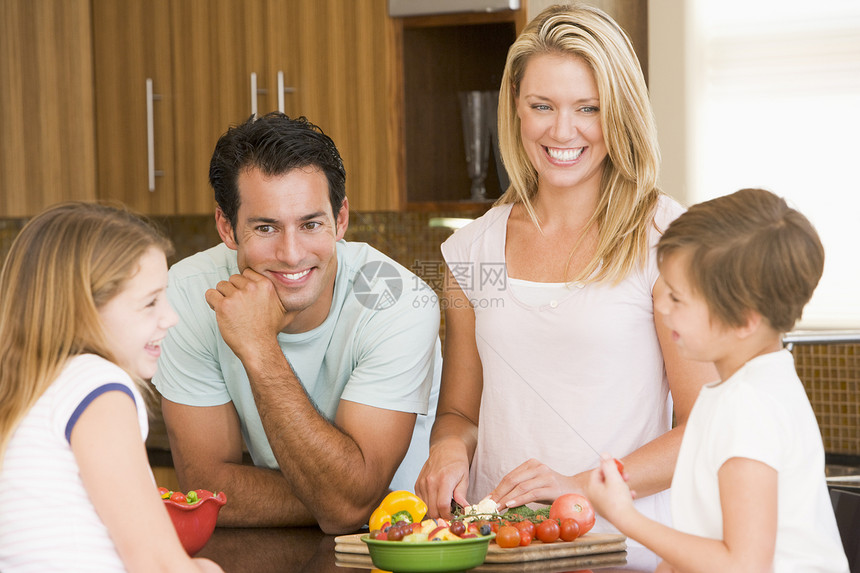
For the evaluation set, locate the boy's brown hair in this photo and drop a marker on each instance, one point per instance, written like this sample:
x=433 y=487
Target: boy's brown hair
x=748 y=251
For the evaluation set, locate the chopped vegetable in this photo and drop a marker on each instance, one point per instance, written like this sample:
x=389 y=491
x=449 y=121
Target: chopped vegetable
x=194 y=496
x=402 y=516
x=524 y=512
x=485 y=507
x=394 y=504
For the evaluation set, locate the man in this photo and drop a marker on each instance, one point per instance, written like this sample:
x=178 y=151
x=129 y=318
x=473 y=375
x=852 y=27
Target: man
x=319 y=353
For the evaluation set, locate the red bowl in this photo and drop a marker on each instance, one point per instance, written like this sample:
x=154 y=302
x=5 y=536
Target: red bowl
x=195 y=522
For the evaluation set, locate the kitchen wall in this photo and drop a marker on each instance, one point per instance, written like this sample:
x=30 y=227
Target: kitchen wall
x=831 y=373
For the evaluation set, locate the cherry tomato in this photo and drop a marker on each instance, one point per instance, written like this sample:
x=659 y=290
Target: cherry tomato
x=164 y=492
x=574 y=506
x=569 y=529
x=178 y=497
x=548 y=531
x=508 y=536
x=525 y=537
x=526 y=526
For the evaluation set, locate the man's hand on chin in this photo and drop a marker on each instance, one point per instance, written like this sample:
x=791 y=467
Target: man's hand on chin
x=248 y=310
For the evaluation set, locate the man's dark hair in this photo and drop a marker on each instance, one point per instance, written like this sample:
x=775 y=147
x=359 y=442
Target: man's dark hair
x=275 y=144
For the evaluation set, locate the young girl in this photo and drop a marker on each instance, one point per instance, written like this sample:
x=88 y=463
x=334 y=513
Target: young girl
x=82 y=314
x=748 y=493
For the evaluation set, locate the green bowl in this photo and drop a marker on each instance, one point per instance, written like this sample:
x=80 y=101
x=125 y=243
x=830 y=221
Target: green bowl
x=428 y=556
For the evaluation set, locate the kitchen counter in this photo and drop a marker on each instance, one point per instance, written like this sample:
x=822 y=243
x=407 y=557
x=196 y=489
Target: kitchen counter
x=844 y=475
x=309 y=550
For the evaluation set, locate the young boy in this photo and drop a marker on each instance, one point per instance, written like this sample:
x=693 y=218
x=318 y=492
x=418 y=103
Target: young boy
x=748 y=492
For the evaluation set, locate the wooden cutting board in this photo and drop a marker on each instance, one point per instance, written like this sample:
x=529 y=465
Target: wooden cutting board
x=589 y=544
x=561 y=565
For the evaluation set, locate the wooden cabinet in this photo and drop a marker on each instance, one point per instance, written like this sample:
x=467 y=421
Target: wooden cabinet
x=78 y=120
x=337 y=59
x=345 y=67
x=47 y=139
x=171 y=76
x=217 y=45
x=132 y=48
x=443 y=55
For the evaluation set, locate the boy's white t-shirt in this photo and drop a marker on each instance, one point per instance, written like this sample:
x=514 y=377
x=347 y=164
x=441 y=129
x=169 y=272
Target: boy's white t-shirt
x=761 y=413
x=47 y=521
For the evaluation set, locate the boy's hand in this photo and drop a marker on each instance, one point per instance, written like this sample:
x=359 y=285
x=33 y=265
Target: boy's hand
x=608 y=492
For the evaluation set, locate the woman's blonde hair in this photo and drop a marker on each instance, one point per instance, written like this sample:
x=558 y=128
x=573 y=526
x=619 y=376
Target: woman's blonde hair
x=628 y=187
x=64 y=265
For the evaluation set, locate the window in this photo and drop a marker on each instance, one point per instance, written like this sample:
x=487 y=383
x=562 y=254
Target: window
x=773 y=101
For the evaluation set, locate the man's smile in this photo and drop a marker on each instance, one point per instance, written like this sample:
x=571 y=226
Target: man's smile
x=291 y=277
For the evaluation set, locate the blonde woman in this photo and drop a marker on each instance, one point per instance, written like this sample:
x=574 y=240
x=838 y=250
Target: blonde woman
x=560 y=353
x=82 y=315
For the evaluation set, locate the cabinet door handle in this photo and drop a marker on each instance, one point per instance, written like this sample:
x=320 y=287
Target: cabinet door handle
x=254 y=92
x=282 y=90
x=150 y=135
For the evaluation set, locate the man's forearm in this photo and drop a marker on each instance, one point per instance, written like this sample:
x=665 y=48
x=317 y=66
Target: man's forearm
x=206 y=444
x=258 y=497
x=323 y=466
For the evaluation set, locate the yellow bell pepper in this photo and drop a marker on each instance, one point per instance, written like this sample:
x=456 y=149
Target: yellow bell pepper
x=395 y=502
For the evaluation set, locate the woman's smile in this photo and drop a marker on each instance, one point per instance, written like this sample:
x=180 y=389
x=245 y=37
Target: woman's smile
x=565 y=155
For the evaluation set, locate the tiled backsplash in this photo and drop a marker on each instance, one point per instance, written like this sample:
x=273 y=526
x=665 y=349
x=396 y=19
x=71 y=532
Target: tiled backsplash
x=831 y=373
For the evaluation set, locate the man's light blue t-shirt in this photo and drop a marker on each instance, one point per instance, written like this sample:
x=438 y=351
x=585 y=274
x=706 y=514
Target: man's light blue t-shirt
x=379 y=346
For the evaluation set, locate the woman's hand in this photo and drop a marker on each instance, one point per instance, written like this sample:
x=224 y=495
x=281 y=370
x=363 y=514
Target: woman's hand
x=445 y=476
x=534 y=481
x=608 y=492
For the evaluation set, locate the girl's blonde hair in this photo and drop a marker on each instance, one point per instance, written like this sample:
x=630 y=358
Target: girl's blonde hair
x=64 y=265
x=628 y=188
